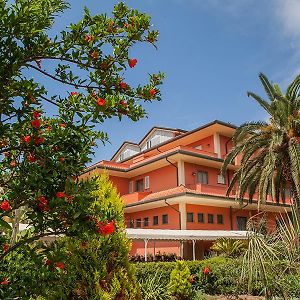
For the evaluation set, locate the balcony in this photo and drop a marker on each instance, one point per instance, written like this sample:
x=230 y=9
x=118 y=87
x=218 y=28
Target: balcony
x=134 y=197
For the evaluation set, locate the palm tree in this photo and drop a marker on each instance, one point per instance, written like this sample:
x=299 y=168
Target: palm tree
x=269 y=150
x=229 y=247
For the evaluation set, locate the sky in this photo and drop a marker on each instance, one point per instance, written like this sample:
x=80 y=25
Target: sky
x=211 y=52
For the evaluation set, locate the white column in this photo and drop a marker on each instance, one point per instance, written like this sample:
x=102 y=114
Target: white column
x=181 y=173
x=217 y=145
x=181 y=249
x=146 y=252
x=194 y=253
x=182 y=210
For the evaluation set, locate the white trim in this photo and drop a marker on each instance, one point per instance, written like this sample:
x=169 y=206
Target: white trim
x=182 y=210
x=217 y=145
x=146 y=182
x=184 y=235
x=181 y=173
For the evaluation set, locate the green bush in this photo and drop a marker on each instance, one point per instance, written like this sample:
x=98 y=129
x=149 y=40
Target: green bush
x=223 y=278
x=180 y=286
x=144 y=270
x=152 y=288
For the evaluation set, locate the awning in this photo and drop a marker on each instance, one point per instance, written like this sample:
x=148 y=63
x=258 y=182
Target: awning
x=184 y=235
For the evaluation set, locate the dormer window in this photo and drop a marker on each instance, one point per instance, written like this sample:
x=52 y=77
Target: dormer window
x=121 y=156
x=149 y=144
x=198 y=147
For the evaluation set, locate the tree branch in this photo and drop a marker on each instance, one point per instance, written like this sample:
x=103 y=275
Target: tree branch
x=31 y=239
x=62 y=81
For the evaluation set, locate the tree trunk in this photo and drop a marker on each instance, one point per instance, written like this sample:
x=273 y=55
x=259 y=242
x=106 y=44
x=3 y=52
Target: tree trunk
x=15 y=224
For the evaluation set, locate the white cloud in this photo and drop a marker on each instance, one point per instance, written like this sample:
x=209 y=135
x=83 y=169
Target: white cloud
x=288 y=12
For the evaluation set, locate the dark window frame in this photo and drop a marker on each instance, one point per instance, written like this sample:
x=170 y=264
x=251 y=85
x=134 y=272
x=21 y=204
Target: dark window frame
x=201 y=220
x=139 y=223
x=156 y=220
x=146 y=222
x=163 y=221
x=210 y=218
x=202 y=181
x=220 y=219
x=192 y=220
x=139 y=183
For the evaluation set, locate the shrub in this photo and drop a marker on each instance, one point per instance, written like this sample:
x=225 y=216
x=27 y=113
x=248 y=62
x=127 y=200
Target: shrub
x=180 y=285
x=229 y=247
x=152 y=288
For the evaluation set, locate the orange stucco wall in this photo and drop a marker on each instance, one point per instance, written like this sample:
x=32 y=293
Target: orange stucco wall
x=191 y=179
x=207 y=144
x=122 y=184
x=160 y=179
x=173 y=217
x=223 y=140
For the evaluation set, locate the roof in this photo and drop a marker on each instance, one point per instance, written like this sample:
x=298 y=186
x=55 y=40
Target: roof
x=184 y=235
x=184 y=134
x=146 y=135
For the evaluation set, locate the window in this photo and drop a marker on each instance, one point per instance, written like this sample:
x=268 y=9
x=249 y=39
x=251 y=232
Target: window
x=198 y=147
x=140 y=185
x=148 y=144
x=190 y=217
x=121 y=156
x=241 y=223
x=131 y=187
x=210 y=218
x=147 y=182
x=200 y=218
x=220 y=219
x=131 y=224
x=202 y=177
x=221 y=179
x=146 y=222
x=165 y=219
x=138 y=223
x=155 y=220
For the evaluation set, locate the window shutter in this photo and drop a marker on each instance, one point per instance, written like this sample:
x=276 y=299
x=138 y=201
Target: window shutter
x=147 y=182
x=130 y=187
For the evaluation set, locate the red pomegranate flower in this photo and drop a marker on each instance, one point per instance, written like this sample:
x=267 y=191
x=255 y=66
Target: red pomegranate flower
x=42 y=200
x=101 y=102
x=123 y=103
x=36 y=114
x=62 y=125
x=60 y=265
x=152 y=92
x=39 y=140
x=48 y=262
x=105 y=228
x=73 y=94
x=36 y=123
x=89 y=38
x=13 y=164
x=206 y=271
x=26 y=139
x=95 y=55
x=62 y=159
x=5 y=205
x=5 y=247
x=31 y=158
x=5 y=281
x=60 y=195
x=132 y=62
x=123 y=85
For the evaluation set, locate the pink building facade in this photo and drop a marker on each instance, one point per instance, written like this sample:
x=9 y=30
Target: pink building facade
x=171 y=180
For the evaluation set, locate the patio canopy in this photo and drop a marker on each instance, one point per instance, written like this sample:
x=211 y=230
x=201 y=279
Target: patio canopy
x=184 y=235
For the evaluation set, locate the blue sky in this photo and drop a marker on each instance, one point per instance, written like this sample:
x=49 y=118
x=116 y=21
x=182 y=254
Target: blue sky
x=211 y=52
